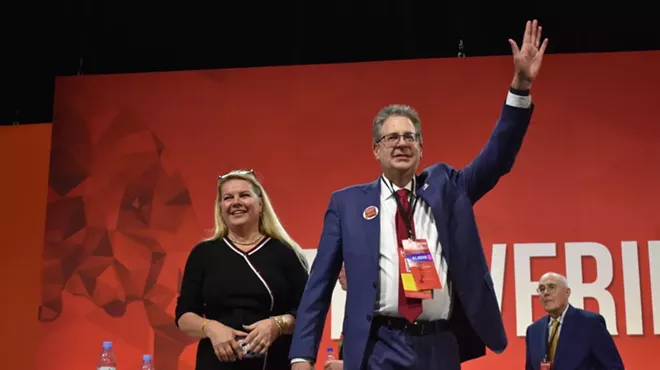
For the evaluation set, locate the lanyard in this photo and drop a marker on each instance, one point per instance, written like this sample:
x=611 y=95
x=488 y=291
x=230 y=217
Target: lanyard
x=412 y=202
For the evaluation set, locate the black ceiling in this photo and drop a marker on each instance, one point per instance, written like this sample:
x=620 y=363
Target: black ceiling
x=119 y=36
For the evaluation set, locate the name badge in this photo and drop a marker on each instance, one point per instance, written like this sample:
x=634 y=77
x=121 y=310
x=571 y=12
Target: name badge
x=418 y=274
x=420 y=264
x=408 y=281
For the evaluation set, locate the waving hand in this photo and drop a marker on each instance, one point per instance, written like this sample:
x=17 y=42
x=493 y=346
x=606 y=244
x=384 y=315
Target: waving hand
x=528 y=57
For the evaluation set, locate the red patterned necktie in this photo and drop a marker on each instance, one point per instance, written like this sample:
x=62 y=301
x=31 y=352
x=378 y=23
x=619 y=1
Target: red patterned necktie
x=410 y=308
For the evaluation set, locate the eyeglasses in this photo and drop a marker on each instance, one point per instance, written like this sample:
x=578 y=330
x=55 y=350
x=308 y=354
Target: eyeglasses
x=236 y=172
x=550 y=288
x=393 y=138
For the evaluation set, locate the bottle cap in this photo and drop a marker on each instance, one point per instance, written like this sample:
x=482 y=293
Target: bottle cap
x=146 y=358
x=107 y=345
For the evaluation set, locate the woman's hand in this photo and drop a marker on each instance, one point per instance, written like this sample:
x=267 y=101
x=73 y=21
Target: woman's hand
x=224 y=341
x=262 y=334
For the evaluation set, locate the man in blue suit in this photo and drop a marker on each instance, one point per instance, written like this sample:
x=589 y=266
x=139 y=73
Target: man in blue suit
x=568 y=338
x=366 y=227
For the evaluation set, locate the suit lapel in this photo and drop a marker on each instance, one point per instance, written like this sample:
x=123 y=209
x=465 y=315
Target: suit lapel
x=546 y=335
x=372 y=226
x=565 y=334
x=430 y=193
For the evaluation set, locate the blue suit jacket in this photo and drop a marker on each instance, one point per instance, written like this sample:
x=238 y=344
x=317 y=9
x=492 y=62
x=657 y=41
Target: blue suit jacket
x=348 y=237
x=584 y=343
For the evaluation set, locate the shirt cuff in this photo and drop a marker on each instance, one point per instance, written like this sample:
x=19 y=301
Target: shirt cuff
x=295 y=360
x=518 y=101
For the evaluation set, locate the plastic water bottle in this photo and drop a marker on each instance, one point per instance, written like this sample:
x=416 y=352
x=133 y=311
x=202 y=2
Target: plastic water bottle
x=107 y=360
x=331 y=354
x=147 y=363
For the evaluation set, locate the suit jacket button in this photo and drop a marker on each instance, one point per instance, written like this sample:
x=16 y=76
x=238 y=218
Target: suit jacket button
x=368 y=317
x=375 y=284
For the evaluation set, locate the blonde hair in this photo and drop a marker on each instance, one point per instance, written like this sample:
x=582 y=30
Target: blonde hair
x=269 y=223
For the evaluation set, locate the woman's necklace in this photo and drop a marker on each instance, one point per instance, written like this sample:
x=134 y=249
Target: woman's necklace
x=255 y=241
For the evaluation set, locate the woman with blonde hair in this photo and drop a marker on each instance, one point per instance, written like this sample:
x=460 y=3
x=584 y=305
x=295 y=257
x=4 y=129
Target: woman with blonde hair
x=241 y=287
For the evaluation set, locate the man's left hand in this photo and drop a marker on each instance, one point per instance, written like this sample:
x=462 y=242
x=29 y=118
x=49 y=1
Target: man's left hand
x=527 y=59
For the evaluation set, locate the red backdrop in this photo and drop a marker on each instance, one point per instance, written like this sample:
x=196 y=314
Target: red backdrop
x=24 y=152
x=135 y=160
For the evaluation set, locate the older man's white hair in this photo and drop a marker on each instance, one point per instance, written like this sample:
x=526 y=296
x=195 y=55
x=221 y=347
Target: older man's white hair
x=559 y=277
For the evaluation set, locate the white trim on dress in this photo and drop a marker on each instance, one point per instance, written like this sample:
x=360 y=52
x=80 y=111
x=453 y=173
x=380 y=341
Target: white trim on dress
x=247 y=260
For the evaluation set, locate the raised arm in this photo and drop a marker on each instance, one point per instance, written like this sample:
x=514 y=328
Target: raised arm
x=316 y=298
x=497 y=157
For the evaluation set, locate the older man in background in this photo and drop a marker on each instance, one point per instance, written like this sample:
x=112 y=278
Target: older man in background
x=568 y=337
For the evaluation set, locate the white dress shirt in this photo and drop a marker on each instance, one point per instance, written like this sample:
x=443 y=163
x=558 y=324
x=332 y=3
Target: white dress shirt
x=425 y=228
x=561 y=321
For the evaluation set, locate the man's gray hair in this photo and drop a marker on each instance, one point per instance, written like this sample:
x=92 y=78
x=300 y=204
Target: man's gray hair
x=399 y=110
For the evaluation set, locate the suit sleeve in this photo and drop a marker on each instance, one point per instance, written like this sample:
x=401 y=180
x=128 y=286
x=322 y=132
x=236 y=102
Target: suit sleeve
x=316 y=298
x=497 y=157
x=528 y=360
x=603 y=346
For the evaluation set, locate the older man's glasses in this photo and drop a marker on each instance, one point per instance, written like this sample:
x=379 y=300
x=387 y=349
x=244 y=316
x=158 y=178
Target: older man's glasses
x=394 y=138
x=236 y=172
x=549 y=288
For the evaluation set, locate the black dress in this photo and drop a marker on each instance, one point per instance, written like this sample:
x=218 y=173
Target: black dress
x=223 y=283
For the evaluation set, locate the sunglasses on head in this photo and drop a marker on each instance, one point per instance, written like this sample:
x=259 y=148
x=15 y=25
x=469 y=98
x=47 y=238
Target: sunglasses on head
x=236 y=172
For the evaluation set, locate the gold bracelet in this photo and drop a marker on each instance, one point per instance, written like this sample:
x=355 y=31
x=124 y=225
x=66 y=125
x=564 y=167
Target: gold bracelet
x=278 y=322
x=206 y=321
x=285 y=321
